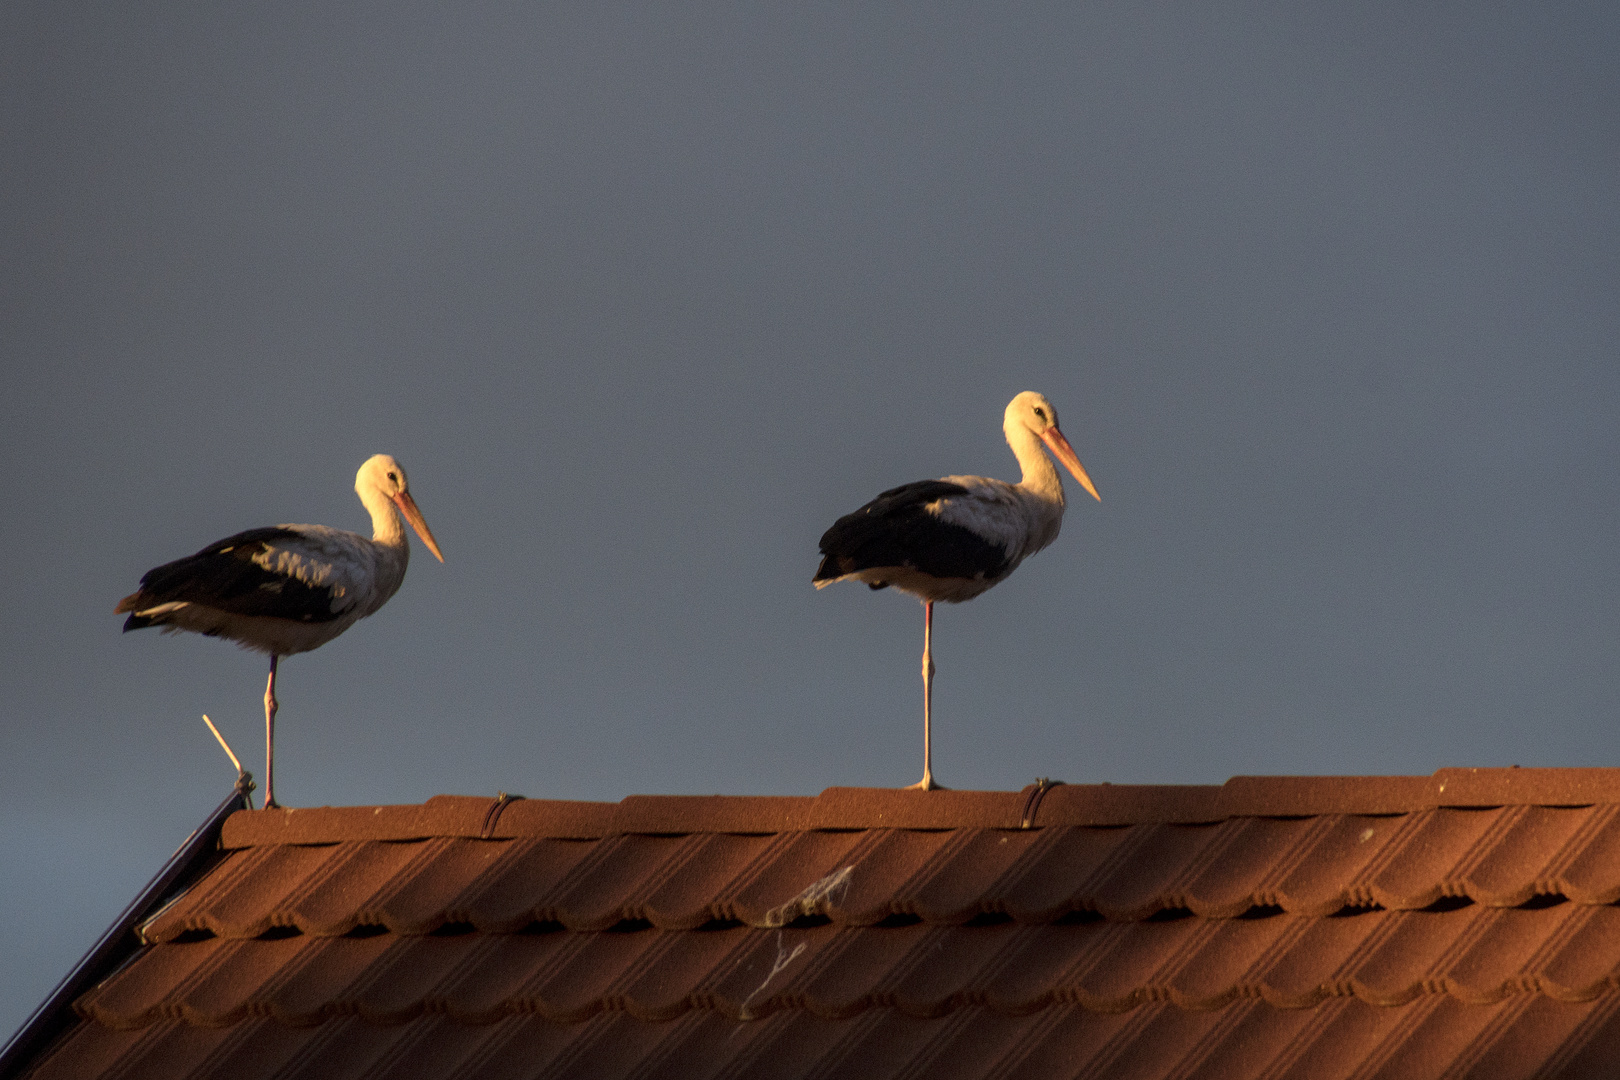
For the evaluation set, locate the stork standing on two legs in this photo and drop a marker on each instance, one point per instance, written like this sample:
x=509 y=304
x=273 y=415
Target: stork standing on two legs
x=288 y=588
x=953 y=538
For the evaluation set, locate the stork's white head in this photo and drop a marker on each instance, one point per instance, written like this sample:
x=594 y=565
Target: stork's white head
x=382 y=475
x=1032 y=412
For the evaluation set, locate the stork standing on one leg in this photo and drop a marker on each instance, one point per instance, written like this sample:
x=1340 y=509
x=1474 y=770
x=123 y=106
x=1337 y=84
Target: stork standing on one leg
x=289 y=588
x=953 y=538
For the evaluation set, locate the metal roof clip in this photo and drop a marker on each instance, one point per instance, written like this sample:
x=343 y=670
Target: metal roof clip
x=1032 y=801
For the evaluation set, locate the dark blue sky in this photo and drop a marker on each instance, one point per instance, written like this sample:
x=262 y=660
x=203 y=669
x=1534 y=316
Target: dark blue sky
x=645 y=298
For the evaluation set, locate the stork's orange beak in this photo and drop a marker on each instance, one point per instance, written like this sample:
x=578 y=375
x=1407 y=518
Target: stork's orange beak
x=1055 y=442
x=407 y=506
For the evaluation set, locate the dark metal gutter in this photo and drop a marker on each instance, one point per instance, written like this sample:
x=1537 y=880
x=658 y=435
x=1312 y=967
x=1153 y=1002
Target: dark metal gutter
x=121 y=941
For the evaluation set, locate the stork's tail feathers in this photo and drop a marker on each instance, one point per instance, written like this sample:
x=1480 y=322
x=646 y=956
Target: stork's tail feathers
x=134 y=602
x=843 y=569
x=826 y=573
x=834 y=568
x=146 y=610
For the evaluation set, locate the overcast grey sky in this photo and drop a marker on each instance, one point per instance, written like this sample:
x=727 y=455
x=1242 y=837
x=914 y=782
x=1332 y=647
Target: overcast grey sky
x=644 y=298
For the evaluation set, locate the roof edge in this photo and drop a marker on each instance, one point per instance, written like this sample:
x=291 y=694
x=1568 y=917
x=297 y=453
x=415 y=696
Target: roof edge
x=1044 y=803
x=121 y=939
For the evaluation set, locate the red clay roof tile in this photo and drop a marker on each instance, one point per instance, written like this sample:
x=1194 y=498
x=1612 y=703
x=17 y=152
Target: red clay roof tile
x=1498 y=857
x=1458 y=924
x=866 y=808
x=1517 y=1039
x=1476 y=954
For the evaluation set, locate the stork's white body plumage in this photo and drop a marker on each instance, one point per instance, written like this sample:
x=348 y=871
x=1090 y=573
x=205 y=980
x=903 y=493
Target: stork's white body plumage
x=288 y=588
x=356 y=576
x=1013 y=519
x=953 y=538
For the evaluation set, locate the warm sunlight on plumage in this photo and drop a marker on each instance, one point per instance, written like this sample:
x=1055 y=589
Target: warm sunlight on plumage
x=953 y=538
x=288 y=588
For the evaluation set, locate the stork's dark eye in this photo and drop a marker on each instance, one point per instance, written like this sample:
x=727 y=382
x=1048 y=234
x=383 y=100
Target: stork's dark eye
x=394 y=477
x=1040 y=412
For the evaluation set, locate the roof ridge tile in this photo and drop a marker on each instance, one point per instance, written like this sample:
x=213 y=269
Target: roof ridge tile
x=904 y=808
x=669 y=814
x=860 y=808
x=1484 y=787
x=1312 y=796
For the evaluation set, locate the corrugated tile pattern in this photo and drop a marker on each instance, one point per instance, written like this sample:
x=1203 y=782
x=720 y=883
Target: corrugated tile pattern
x=1502 y=857
x=1436 y=941
x=1522 y=1038
x=1477 y=954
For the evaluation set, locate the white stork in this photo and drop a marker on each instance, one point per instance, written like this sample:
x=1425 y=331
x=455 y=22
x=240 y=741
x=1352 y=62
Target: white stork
x=953 y=538
x=288 y=588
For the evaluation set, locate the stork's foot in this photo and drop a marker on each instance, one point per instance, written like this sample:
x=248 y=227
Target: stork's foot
x=925 y=784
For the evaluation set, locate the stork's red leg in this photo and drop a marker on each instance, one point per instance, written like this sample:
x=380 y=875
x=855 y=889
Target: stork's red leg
x=270 y=737
x=927 y=782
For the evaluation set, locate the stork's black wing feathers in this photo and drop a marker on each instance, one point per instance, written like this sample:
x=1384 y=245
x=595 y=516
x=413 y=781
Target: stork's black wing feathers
x=896 y=529
x=223 y=575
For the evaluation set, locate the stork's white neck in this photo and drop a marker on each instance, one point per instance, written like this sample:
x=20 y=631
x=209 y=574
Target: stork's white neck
x=387 y=527
x=1040 y=486
x=1040 y=475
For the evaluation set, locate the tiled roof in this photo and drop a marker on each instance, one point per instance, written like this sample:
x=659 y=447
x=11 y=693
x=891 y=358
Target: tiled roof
x=1456 y=925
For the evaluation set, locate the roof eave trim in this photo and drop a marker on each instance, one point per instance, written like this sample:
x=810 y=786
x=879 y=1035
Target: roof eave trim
x=120 y=940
